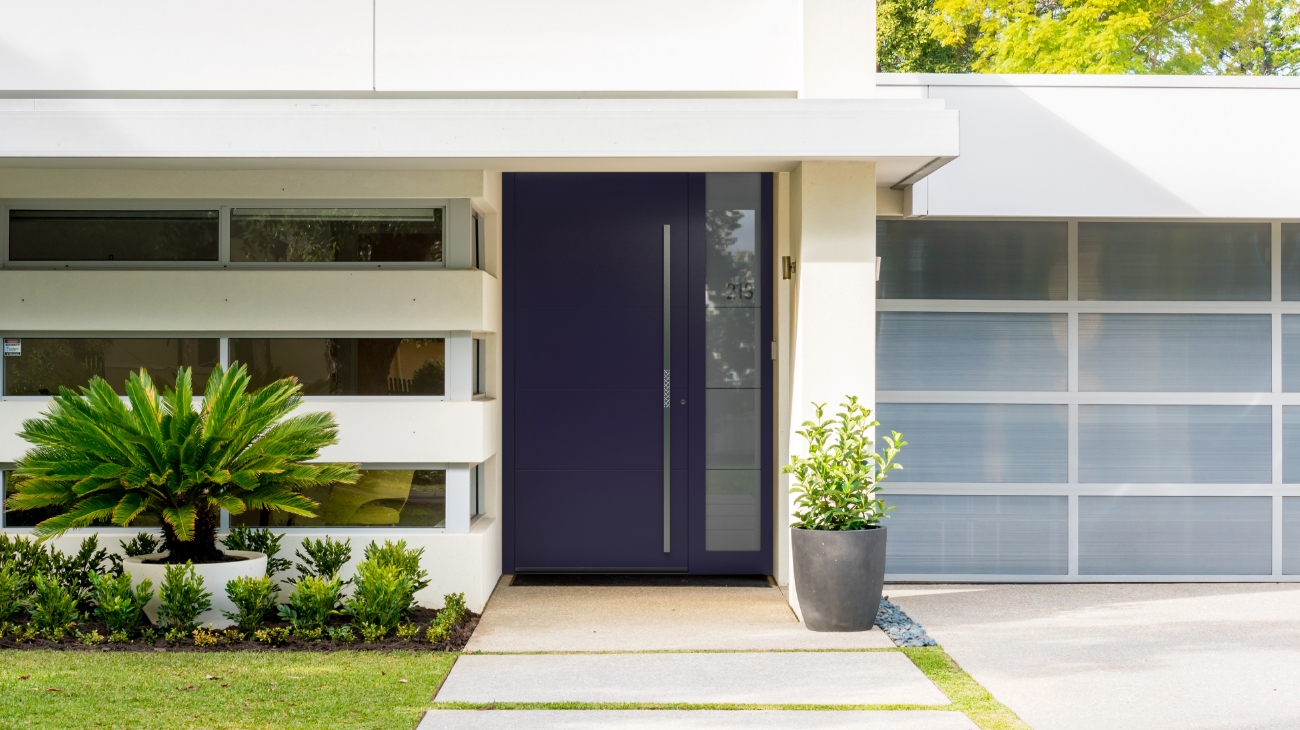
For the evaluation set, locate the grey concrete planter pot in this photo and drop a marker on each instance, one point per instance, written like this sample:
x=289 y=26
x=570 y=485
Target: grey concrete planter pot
x=838 y=576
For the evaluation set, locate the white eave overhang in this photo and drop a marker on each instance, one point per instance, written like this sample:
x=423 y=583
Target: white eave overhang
x=908 y=138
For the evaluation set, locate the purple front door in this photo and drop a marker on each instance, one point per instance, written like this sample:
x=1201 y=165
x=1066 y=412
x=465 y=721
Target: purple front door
x=604 y=432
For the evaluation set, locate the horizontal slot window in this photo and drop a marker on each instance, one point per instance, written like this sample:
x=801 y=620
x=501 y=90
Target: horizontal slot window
x=978 y=442
x=346 y=365
x=41 y=365
x=1146 y=444
x=1175 y=352
x=105 y=235
x=1175 y=261
x=970 y=351
x=1175 y=535
x=371 y=235
x=971 y=259
x=32 y=517
x=989 y=535
x=380 y=498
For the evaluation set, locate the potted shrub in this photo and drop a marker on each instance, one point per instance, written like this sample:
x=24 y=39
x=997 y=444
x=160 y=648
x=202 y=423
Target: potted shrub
x=837 y=540
x=104 y=462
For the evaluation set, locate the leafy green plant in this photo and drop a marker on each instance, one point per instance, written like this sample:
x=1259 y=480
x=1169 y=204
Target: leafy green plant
x=453 y=611
x=117 y=604
x=341 y=634
x=323 y=558
x=273 y=636
x=98 y=459
x=91 y=638
x=149 y=635
x=836 y=483
x=254 y=598
x=407 y=561
x=309 y=634
x=182 y=599
x=407 y=631
x=143 y=543
x=176 y=635
x=258 y=541
x=205 y=637
x=13 y=586
x=119 y=637
x=380 y=598
x=313 y=603
x=232 y=635
x=52 y=607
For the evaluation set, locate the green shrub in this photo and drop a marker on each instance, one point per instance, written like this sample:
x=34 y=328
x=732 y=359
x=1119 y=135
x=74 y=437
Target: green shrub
x=407 y=561
x=313 y=603
x=206 y=637
x=182 y=600
x=273 y=637
x=253 y=599
x=31 y=559
x=119 y=637
x=149 y=635
x=142 y=544
x=93 y=638
x=380 y=598
x=323 y=558
x=258 y=541
x=52 y=607
x=453 y=610
x=341 y=634
x=406 y=632
x=176 y=635
x=117 y=604
x=309 y=634
x=13 y=586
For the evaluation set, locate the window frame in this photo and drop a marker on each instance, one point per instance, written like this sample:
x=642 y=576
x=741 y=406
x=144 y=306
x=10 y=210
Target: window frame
x=458 y=227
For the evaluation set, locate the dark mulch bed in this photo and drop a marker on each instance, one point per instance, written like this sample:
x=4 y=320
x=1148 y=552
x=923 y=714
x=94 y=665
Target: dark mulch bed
x=421 y=617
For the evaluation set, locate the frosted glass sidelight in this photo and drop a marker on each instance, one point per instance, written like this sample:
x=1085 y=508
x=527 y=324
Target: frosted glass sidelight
x=1175 y=444
x=1175 y=261
x=1290 y=262
x=977 y=442
x=970 y=351
x=971 y=259
x=987 y=535
x=1291 y=535
x=731 y=438
x=1175 y=535
x=732 y=511
x=731 y=358
x=1175 y=352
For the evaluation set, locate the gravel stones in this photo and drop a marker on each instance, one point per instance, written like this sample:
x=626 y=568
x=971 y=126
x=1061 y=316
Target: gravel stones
x=899 y=627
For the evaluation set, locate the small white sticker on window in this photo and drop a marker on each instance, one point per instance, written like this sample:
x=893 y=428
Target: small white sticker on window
x=13 y=347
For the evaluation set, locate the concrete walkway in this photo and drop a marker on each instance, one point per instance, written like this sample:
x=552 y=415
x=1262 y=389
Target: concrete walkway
x=575 y=618
x=692 y=720
x=1119 y=656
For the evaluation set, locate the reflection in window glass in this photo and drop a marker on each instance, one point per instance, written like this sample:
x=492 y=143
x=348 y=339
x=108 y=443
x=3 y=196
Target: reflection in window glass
x=380 y=498
x=108 y=235
x=40 y=366
x=336 y=236
x=346 y=365
x=732 y=376
x=971 y=259
x=1175 y=261
x=31 y=517
x=1290 y=262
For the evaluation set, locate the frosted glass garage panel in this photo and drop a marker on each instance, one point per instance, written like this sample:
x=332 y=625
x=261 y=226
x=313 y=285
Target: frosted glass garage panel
x=971 y=259
x=989 y=535
x=1175 y=535
x=1291 y=444
x=1175 y=444
x=1290 y=262
x=1175 y=261
x=1291 y=535
x=977 y=442
x=1291 y=353
x=1175 y=352
x=970 y=351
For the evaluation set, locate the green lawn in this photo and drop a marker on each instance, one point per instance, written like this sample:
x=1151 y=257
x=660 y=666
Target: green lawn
x=172 y=690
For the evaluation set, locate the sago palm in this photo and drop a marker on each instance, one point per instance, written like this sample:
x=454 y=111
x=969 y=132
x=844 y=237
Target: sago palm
x=102 y=461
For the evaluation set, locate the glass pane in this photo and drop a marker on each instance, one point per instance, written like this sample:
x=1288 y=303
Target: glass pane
x=1175 y=535
x=1291 y=444
x=1291 y=353
x=977 y=442
x=1291 y=535
x=1290 y=262
x=336 y=235
x=991 y=535
x=1175 y=261
x=970 y=351
x=381 y=498
x=40 y=366
x=733 y=366
x=971 y=260
x=1175 y=444
x=346 y=365
x=106 y=235
x=1175 y=352
x=732 y=513
x=30 y=517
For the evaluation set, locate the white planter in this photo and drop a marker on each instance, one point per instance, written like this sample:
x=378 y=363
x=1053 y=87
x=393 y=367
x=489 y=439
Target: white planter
x=215 y=576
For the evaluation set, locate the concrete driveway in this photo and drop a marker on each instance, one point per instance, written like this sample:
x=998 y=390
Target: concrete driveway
x=1186 y=656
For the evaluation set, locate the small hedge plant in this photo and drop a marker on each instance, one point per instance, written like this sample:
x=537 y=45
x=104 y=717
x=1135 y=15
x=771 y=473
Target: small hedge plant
x=117 y=604
x=254 y=598
x=182 y=599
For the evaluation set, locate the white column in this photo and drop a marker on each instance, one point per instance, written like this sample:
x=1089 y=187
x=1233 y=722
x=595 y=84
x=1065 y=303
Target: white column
x=459 y=381
x=458 y=248
x=839 y=49
x=458 y=498
x=833 y=240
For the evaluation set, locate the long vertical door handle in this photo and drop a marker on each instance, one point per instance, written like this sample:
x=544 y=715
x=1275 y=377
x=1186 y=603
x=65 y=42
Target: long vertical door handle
x=668 y=390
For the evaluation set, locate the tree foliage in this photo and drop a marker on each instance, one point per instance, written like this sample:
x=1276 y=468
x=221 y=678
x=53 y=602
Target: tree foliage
x=98 y=459
x=1230 y=37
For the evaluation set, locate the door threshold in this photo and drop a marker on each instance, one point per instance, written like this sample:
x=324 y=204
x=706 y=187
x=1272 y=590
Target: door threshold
x=639 y=580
